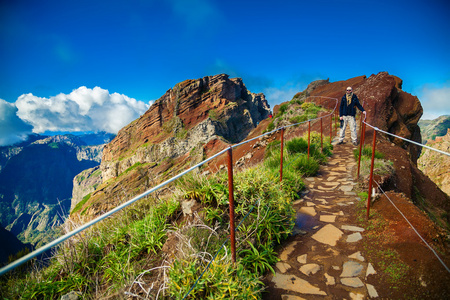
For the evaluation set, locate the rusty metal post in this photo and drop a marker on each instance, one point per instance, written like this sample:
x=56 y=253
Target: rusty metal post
x=369 y=196
x=231 y=203
x=361 y=143
x=309 y=136
x=281 y=159
x=321 y=135
x=331 y=127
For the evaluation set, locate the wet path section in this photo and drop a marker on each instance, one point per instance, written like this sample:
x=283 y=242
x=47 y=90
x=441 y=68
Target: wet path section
x=323 y=259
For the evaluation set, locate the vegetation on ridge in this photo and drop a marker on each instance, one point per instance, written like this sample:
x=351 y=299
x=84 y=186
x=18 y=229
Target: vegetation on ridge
x=149 y=249
x=381 y=166
x=295 y=111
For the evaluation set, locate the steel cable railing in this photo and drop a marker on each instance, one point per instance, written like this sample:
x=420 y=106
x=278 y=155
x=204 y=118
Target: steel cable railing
x=402 y=138
x=83 y=227
x=220 y=249
x=372 y=180
x=282 y=166
x=414 y=229
x=100 y=218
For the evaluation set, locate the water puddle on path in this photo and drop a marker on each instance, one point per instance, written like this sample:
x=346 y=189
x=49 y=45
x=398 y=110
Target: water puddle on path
x=304 y=223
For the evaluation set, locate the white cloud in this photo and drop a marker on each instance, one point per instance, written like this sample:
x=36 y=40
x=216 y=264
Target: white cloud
x=12 y=128
x=435 y=101
x=83 y=109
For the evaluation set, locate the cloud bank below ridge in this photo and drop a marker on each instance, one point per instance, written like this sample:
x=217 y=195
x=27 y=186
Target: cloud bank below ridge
x=84 y=109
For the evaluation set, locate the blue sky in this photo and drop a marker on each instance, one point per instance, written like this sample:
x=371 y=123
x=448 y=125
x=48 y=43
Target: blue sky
x=97 y=65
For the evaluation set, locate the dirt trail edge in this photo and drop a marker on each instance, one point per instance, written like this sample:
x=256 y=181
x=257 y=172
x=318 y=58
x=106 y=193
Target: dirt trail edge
x=323 y=259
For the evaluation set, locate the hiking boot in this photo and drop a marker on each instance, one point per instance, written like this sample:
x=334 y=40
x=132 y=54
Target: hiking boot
x=355 y=143
x=340 y=143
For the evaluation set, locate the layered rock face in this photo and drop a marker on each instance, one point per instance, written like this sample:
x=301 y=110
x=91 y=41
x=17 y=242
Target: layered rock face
x=187 y=116
x=393 y=110
x=397 y=112
x=436 y=165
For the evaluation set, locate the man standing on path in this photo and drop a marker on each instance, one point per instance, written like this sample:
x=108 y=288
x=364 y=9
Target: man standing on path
x=347 y=112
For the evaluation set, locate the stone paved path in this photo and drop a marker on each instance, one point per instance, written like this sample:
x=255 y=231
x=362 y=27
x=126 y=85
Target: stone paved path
x=323 y=260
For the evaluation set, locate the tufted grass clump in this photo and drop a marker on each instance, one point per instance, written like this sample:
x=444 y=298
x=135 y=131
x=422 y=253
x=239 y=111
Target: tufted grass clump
x=298 y=146
x=125 y=256
x=381 y=166
x=367 y=152
x=266 y=217
x=110 y=255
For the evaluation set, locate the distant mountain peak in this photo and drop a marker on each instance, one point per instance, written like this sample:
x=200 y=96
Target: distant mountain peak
x=187 y=116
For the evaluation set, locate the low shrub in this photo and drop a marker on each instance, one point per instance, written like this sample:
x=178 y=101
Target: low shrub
x=367 y=152
x=308 y=167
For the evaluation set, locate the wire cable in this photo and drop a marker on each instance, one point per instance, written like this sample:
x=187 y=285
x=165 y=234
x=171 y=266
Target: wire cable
x=68 y=235
x=402 y=138
x=434 y=252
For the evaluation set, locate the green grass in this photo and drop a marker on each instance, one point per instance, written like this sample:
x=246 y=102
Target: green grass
x=376 y=245
x=81 y=203
x=54 y=145
x=282 y=110
x=367 y=152
x=213 y=115
x=270 y=127
x=111 y=253
x=106 y=259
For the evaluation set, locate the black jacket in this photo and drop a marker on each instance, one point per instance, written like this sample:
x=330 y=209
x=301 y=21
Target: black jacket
x=349 y=110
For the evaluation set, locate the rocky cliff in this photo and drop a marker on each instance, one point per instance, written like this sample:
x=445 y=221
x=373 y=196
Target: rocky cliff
x=391 y=109
x=198 y=117
x=185 y=117
x=430 y=129
x=184 y=126
x=84 y=184
x=436 y=165
x=36 y=181
x=388 y=107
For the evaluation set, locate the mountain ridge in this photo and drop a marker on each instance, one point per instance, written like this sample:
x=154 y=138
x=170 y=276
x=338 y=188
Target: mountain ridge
x=430 y=129
x=388 y=107
x=36 y=182
x=190 y=114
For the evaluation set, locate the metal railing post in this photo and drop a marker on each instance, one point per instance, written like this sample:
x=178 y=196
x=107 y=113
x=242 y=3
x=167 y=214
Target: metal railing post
x=321 y=135
x=309 y=136
x=369 y=196
x=331 y=126
x=281 y=159
x=231 y=203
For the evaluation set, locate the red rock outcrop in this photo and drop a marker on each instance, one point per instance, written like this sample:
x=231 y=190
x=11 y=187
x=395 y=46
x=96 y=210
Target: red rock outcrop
x=388 y=107
x=391 y=109
x=186 y=116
